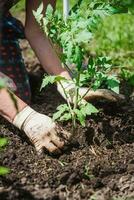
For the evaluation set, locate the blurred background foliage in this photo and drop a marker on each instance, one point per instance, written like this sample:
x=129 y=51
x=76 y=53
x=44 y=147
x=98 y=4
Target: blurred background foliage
x=114 y=37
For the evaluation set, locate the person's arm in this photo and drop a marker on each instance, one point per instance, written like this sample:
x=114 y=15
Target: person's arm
x=47 y=56
x=39 y=42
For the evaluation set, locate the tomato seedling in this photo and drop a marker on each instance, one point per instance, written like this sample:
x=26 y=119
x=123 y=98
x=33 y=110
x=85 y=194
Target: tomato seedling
x=73 y=37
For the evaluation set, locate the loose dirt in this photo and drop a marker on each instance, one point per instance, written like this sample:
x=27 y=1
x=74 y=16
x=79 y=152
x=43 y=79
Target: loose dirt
x=97 y=165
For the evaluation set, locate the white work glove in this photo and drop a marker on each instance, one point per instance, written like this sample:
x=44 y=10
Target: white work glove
x=91 y=95
x=41 y=130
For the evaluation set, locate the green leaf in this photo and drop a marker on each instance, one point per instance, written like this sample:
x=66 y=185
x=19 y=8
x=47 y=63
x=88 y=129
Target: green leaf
x=84 y=79
x=76 y=6
x=69 y=50
x=57 y=115
x=38 y=13
x=40 y=9
x=89 y=109
x=113 y=84
x=91 y=62
x=112 y=10
x=47 y=80
x=60 y=78
x=65 y=117
x=3 y=142
x=131 y=80
x=127 y=76
x=51 y=80
x=83 y=37
x=97 y=84
x=4 y=170
x=80 y=117
x=49 y=11
x=104 y=60
x=78 y=57
x=61 y=109
x=45 y=24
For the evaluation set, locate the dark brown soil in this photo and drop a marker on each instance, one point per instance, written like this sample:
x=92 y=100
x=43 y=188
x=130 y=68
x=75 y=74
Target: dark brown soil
x=98 y=164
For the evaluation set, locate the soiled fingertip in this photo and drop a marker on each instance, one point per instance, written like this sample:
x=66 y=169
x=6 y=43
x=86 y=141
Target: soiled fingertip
x=39 y=151
x=55 y=152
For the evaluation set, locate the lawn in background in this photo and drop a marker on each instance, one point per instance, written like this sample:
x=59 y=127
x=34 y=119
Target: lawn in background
x=115 y=38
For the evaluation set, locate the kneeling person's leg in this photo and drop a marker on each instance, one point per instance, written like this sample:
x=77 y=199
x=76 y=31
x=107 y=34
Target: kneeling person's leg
x=12 y=65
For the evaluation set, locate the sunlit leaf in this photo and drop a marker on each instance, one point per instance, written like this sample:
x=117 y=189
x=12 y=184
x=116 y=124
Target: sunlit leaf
x=4 y=170
x=49 y=11
x=61 y=109
x=66 y=117
x=113 y=84
x=38 y=13
x=89 y=109
x=80 y=117
x=3 y=142
x=51 y=80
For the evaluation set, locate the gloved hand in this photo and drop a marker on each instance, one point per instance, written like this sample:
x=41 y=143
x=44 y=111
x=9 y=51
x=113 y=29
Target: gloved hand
x=91 y=94
x=41 y=130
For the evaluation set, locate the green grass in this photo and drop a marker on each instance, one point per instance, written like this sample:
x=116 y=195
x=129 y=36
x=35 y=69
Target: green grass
x=115 y=38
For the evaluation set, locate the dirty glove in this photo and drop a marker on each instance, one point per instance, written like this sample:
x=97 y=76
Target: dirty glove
x=41 y=130
x=91 y=94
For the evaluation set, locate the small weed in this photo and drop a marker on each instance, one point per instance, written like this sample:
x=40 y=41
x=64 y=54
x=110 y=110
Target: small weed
x=127 y=76
x=62 y=163
x=3 y=143
x=87 y=173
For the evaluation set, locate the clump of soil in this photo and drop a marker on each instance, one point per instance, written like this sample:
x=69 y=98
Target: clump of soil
x=98 y=164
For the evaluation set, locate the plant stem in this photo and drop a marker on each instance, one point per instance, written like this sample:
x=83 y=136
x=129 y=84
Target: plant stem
x=68 y=103
x=69 y=70
x=76 y=100
x=84 y=94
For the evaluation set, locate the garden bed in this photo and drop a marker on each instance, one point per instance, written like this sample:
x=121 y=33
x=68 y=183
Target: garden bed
x=97 y=165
